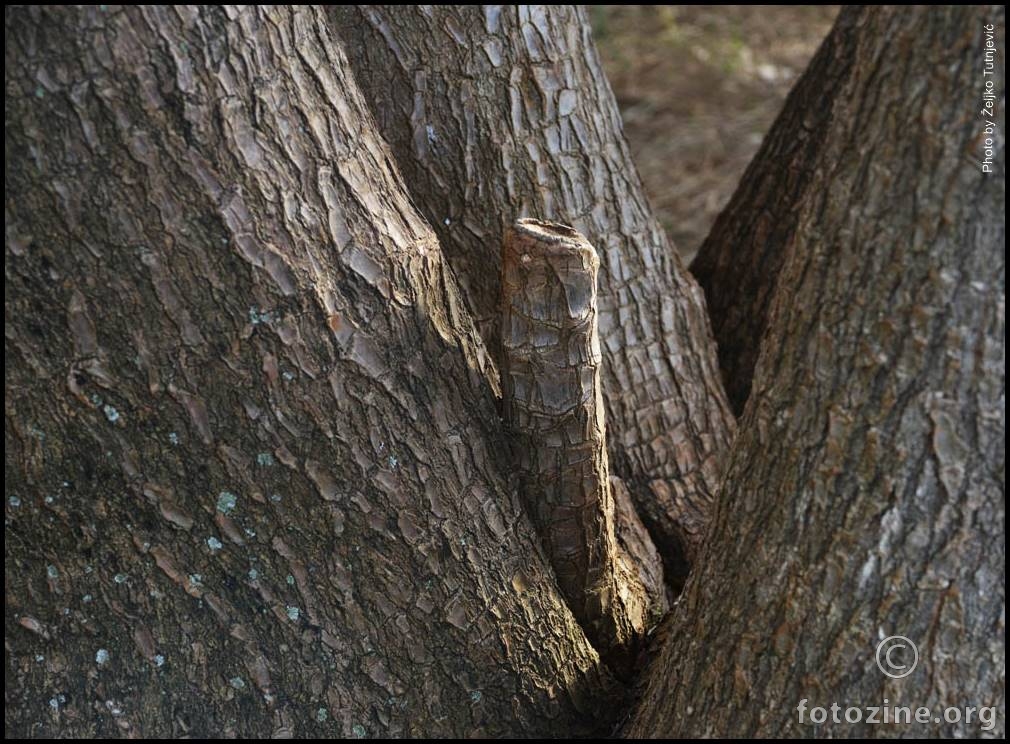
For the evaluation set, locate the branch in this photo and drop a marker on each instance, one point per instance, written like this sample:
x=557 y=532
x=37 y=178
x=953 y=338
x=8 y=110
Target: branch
x=553 y=406
x=865 y=493
x=738 y=264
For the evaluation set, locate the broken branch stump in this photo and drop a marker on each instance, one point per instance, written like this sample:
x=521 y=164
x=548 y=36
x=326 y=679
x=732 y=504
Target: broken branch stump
x=553 y=408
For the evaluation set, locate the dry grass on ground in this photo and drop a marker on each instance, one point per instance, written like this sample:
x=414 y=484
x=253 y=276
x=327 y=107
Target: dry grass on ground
x=698 y=88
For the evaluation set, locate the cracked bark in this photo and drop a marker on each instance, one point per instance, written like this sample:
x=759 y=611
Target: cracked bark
x=553 y=406
x=255 y=477
x=253 y=461
x=502 y=112
x=864 y=495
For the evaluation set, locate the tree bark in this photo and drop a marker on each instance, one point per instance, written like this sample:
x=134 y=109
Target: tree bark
x=502 y=112
x=864 y=495
x=256 y=478
x=738 y=264
x=253 y=462
x=553 y=407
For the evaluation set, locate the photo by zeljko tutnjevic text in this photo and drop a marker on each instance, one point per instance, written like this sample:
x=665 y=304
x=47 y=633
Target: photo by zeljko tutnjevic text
x=990 y=99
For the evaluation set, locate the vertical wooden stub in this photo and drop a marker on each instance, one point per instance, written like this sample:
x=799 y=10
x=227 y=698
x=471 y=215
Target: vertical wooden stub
x=553 y=407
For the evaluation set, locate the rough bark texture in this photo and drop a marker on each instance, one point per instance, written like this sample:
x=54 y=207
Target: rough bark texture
x=864 y=496
x=503 y=112
x=252 y=454
x=552 y=404
x=636 y=543
x=739 y=262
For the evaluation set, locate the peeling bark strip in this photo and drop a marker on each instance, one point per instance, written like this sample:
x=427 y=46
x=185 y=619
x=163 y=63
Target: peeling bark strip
x=553 y=404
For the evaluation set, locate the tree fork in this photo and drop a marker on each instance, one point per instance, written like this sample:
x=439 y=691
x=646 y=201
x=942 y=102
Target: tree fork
x=553 y=406
x=540 y=96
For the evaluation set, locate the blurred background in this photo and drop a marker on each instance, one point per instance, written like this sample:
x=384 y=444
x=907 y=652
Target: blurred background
x=698 y=86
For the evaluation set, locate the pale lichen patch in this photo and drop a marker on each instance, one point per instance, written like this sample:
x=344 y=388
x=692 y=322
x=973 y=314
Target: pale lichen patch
x=226 y=502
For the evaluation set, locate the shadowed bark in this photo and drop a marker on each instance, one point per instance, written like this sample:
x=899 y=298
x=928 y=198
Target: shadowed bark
x=864 y=496
x=253 y=462
x=502 y=112
x=739 y=262
x=553 y=406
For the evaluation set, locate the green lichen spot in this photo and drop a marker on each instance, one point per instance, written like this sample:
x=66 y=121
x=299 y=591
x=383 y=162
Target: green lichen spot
x=120 y=578
x=293 y=613
x=52 y=572
x=102 y=656
x=226 y=502
x=237 y=682
x=265 y=459
x=253 y=574
x=291 y=580
x=40 y=92
x=322 y=714
x=476 y=696
x=214 y=544
x=358 y=730
x=257 y=316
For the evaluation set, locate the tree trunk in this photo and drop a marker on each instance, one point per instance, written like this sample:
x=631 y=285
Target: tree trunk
x=739 y=262
x=864 y=495
x=257 y=478
x=499 y=112
x=252 y=452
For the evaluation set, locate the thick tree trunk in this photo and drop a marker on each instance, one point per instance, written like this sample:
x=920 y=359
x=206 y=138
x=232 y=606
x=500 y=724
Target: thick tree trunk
x=499 y=112
x=253 y=462
x=864 y=495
